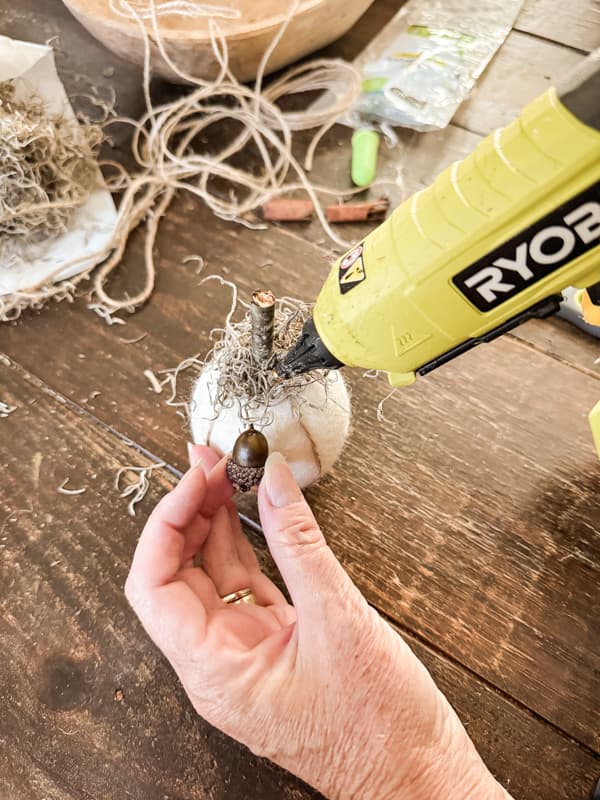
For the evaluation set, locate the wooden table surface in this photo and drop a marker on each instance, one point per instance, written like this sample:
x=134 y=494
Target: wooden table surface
x=473 y=527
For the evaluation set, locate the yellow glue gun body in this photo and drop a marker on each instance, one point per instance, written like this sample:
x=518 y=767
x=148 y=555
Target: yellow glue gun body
x=492 y=242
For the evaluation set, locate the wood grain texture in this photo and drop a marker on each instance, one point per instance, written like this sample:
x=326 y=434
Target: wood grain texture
x=480 y=528
x=576 y=24
x=90 y=708
x=564 y=342
x=522 y=69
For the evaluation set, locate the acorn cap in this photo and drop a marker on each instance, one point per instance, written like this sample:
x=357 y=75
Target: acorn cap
x=250 y=449
x=243 y=478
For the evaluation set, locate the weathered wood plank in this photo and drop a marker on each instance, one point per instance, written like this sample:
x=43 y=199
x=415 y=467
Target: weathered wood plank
x=564 y=342
x=523 y=68
x=576 y=24
x=68 y=643
x=477 y=508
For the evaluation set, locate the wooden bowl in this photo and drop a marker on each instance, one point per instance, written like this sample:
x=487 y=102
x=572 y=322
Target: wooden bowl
x=187 y=42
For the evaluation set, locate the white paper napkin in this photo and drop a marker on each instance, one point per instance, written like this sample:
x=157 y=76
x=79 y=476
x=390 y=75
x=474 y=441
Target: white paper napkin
x=32 y=68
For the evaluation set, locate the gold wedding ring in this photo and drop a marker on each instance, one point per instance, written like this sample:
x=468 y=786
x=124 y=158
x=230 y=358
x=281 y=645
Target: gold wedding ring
x=241 y=596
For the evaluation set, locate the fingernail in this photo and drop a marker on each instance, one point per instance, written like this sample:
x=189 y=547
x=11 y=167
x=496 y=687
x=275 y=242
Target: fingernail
x=194 y=460
x=280 y=483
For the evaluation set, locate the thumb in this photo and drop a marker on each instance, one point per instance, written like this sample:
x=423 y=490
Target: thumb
x=314 y=577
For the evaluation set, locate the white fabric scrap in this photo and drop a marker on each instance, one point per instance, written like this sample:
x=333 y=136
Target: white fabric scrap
x=310 y=437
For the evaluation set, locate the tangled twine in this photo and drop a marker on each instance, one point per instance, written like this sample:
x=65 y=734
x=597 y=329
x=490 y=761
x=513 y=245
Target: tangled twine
x=163 y=138
x=165 y=146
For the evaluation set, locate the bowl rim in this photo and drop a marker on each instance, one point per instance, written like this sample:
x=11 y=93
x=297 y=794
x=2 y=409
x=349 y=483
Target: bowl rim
x=130 y=26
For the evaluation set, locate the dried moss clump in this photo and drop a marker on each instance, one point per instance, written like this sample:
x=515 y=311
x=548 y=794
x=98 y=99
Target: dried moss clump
x=48 y=169
x=241 y=379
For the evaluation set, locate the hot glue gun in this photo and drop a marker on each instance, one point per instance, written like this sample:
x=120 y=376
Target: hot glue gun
x=491 y=243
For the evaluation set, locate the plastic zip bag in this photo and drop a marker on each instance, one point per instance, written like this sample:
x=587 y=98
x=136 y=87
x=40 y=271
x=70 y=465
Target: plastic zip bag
x=424 y=63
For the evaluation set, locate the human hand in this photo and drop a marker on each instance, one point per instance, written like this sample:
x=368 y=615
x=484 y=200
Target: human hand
x=325 y=688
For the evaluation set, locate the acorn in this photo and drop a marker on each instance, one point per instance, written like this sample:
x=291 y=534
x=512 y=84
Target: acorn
x=246 y=466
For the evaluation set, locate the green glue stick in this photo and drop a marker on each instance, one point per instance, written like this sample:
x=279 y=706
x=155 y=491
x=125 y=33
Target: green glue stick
x=365 y=147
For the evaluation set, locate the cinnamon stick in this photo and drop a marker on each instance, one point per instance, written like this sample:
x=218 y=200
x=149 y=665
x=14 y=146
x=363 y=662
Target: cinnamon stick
x=367 y=211
x=287 y=209
x=291 y=209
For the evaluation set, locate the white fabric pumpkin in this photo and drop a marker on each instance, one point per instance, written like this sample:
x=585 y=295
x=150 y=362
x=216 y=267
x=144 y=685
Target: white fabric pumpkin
x=309 y=431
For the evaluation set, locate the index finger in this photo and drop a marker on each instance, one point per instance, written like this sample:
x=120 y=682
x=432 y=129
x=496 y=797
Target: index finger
x=159 y=553
x=218 y=489
x=193 y=495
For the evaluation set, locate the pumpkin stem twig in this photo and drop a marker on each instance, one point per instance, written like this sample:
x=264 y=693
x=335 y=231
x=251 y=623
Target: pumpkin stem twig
x=262 y=311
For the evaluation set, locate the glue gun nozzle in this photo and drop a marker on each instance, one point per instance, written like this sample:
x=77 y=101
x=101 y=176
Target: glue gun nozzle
x=308 y=353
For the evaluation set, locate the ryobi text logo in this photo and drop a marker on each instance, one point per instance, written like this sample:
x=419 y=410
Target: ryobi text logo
x=544 y=247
